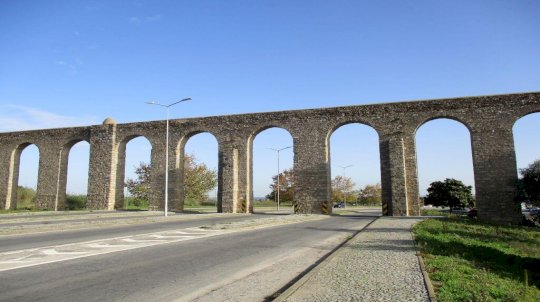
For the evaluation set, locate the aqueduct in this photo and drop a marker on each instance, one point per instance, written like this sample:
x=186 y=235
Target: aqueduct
x=489 y=119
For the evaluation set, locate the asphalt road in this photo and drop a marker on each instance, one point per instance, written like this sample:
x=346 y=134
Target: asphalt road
x=179 y=271
x=19 y=242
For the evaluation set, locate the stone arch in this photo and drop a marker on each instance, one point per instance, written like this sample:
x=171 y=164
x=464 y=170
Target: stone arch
x=176 y=166
x=335 y=128
x=461 y=159
x=449 y=117
x=63 y=171
x=121 y=166
x=249 y=156
x=345 y=123
x=13 y=174
x=524 y=129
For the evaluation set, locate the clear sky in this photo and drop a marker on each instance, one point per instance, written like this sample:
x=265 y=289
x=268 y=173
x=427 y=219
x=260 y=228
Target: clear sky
x=65 y=63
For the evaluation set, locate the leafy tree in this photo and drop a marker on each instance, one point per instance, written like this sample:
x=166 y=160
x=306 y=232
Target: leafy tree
x=286 y=186
x=529 y=183
x=140 y=187
x=370 y=195
x=449 y=193
x=198 y=181
x=342 y=189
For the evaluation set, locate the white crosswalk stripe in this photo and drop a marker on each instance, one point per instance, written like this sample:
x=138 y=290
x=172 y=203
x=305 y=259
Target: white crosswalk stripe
x=37 y=256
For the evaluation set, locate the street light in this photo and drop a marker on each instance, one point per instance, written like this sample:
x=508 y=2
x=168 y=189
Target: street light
x=278 y=150
x=167 y=150
x=345 y=167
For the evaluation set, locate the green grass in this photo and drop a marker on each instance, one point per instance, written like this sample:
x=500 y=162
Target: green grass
x=471 y=261
x=270 y=203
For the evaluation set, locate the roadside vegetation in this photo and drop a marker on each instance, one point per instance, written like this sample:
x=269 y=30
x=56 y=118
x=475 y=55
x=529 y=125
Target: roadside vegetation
x=472 y=261
x=198 y=181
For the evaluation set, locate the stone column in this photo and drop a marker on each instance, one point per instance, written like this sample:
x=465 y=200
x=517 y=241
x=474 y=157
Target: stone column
x=233 y=177
x=103 y=167
x=9 y=174
x=176 y=176
x=157 y=178
x=50 y=157
x=119 y=197
x=62 y=180
x=245 y=200
x=495 y=173
x=312 y=173
x=393 y=175
x=414 y=204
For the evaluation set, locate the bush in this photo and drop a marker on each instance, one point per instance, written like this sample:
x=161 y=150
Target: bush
x=76 y=202
x=26 y=198
x=133 y=203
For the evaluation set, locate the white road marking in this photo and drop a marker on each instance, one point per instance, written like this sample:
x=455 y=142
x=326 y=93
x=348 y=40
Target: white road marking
x=37 y=256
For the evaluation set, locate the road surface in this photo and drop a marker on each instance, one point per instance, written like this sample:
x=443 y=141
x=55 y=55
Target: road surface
x=239 y=265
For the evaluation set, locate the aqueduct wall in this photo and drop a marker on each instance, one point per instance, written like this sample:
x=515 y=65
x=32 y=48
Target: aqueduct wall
x=489 y=119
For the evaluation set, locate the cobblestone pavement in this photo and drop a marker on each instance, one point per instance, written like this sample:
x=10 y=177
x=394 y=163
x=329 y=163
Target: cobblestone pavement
x=379 y=264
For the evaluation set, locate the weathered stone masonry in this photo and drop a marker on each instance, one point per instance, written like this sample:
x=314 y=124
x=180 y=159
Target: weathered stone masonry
x=489 y=119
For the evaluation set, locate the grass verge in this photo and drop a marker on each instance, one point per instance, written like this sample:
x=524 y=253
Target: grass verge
x=472 y=261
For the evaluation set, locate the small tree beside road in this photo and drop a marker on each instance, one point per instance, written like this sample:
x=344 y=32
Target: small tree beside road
x=529 y=183
x=286 y=186
x=370 y=195
x=342 y=189
x=449 y=193
x=198 y=181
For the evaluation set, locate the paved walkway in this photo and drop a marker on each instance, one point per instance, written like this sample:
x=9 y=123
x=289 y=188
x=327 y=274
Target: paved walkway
x=379 y=264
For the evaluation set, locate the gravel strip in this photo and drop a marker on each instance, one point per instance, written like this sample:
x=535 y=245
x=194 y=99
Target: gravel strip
x=379 y=264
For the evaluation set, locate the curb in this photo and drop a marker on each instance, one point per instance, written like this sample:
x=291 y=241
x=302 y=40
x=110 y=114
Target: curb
x=427 y=280
x=312 y=270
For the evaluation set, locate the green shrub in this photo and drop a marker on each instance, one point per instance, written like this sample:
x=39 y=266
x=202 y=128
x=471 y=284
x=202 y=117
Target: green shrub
x=133 y=203
x=75 y=202
x=26 y=198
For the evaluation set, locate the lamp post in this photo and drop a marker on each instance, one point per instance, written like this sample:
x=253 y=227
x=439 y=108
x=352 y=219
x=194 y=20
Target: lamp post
x=278 y=150
x=167 y=151
x=345 y=193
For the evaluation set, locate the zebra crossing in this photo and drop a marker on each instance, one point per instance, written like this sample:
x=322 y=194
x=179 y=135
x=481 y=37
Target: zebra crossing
x=37 y=256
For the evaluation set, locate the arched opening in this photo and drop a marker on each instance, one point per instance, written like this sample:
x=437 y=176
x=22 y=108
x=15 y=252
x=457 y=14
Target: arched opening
x=77 y=176
x=133 y=175
x=273 y=155
x=25 y=177
x=200 y=168
x=444 y=154
x=527 y=148
x=355 y=168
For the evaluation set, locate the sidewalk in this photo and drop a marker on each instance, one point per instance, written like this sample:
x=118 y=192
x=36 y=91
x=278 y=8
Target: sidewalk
x=378 y=264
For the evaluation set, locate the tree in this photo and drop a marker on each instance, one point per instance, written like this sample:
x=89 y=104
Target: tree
x=449 y=193
x=529 y=183
x=370 y=195
x=286 y=186
x=342 y=189
x=140 y=187
x=198 y=180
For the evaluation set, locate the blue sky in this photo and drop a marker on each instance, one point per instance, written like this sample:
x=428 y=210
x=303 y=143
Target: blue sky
x=65 y=63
